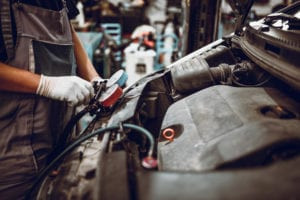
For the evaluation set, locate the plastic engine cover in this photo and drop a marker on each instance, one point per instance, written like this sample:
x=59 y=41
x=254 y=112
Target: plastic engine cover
x=228 y=127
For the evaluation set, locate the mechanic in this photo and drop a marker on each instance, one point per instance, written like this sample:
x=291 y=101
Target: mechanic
x=40 y=55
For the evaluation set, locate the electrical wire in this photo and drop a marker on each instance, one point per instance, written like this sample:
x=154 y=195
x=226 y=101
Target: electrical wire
x=84 y=138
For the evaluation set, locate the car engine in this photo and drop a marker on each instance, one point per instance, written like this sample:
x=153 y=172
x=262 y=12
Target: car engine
x=224 y=122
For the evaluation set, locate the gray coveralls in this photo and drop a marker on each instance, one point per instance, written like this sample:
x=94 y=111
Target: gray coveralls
x=30 y=124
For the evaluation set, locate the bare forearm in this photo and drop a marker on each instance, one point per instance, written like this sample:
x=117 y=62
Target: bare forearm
x=17 y=80
x=85 y=68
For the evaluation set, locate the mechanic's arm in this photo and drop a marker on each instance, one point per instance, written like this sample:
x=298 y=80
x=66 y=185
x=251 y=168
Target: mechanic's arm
x=18 y=80
x=85 y=68
x=71 y=89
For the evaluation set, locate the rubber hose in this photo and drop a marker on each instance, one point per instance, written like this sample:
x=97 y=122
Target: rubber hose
x=84 y=138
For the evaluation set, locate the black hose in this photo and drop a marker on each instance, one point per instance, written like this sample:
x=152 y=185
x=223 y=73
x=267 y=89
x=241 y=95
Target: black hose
x=66 y=132
x=84 y=138
x=91 y=108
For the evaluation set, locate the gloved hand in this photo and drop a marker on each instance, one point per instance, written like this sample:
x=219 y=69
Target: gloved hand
x=71 y=89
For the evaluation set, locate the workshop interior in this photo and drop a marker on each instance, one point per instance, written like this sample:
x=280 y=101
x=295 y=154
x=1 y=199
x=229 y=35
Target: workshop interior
x=200 y=100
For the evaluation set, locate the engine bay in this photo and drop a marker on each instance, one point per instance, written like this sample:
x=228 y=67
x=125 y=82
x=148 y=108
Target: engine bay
x=233 y=118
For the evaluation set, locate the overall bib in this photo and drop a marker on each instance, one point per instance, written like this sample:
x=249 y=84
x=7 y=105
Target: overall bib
x=30 y=124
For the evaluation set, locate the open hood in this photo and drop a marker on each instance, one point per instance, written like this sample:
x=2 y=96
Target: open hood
x=240 y=9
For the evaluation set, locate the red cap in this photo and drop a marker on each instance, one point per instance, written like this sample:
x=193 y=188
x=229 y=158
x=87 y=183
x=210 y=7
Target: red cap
x=149 y=162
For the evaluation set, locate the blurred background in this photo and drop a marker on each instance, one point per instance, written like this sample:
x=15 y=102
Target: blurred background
x=143 y=36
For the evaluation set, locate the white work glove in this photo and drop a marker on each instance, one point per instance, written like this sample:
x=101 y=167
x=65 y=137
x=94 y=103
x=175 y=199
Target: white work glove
x=71 y=89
